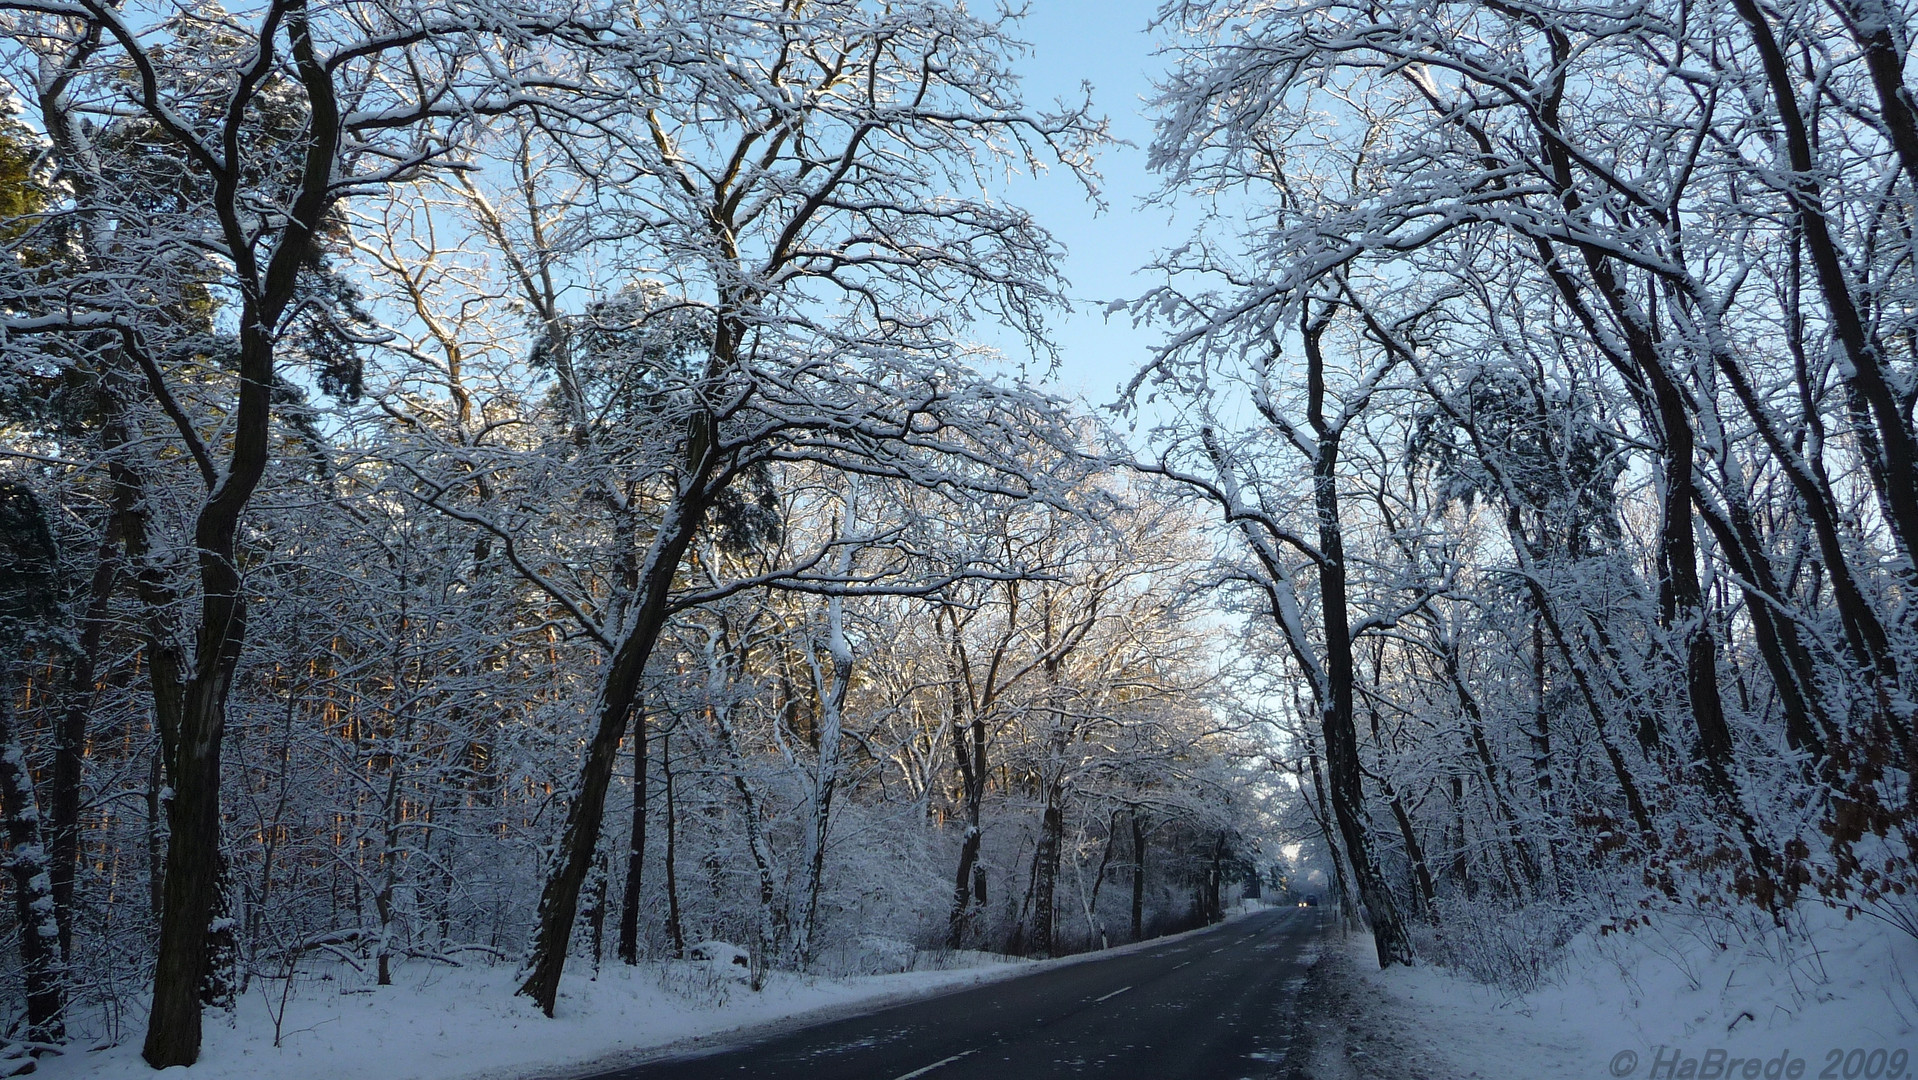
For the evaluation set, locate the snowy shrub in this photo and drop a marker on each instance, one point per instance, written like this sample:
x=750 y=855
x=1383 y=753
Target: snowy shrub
x=867 y=954
x=698 y=983
x=727 y=961
x=1516 y=949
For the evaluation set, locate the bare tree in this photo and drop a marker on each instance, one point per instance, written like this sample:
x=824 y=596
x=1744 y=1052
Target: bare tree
x=306 y=112
x=813 y=222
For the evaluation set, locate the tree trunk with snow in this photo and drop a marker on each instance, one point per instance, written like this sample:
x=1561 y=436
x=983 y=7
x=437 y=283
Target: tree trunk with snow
x=559 y=900
x=831 y=683
x=44 y=968
x=969 y=758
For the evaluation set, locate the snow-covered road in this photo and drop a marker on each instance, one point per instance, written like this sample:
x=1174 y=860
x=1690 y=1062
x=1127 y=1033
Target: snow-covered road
x=1219 y=1004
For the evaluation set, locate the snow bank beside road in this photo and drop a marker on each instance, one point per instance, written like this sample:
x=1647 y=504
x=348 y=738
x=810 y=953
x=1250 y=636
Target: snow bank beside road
x=1622 y=1004
x=436 y=1023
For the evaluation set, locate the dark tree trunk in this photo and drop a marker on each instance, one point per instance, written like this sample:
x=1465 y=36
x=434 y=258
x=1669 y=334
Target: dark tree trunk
x=1335 y=704
x=70 y=739
x=1214 y=879
x=194 y=867
x=635 y=848
x=1869 y=373
x=1872 y=25
x=1682 y=600
x=1321 y=815
x=1045 y=870
x=1138 y=875
x=673 y=924
x=1786 y=660
x=559 y=900
x=1415 y=853
x=962 y=887
x=195 y=870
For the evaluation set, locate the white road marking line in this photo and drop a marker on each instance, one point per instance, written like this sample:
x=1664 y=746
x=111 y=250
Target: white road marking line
x=936 y=1064
x=1176 y=967
x=1095 y=1001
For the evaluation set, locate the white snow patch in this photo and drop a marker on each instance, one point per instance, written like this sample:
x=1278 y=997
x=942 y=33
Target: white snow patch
x=1669 y=992
x=436 y=1023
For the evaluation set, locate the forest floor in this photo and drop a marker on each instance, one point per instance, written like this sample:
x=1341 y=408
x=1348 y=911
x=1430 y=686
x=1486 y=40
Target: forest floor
x=1667 y=1002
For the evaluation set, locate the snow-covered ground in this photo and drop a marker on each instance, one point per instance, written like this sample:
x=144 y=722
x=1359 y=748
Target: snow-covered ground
x=436 y=1023
x=1642 y=1004
x=440 y=1023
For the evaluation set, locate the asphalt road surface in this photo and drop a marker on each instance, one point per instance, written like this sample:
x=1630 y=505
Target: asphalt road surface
x=1217 y=1005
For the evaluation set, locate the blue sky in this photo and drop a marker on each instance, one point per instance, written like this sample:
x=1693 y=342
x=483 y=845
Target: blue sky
x=1103 y=42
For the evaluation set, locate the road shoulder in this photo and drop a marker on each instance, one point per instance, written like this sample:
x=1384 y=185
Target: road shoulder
x=1423 y=1023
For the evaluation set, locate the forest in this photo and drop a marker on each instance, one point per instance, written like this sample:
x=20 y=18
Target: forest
x=546 y=484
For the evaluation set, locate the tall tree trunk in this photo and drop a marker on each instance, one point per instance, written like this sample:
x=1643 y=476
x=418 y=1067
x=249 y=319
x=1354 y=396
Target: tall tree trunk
x=673 y=924
x=1045 y=869
x=1875 y=26
x=770 y=922
x=1415 y=853
x=635 y=847
x=559 y=899
x=195 y=870
x=1683 y=612
x=1214 y=879
x=831 y=686
x=1869 y=371
x=1138 y=875
x=26 y=862
x=969 y=757
x=1335 y=703
x=1321 y=815
x=70 y=738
